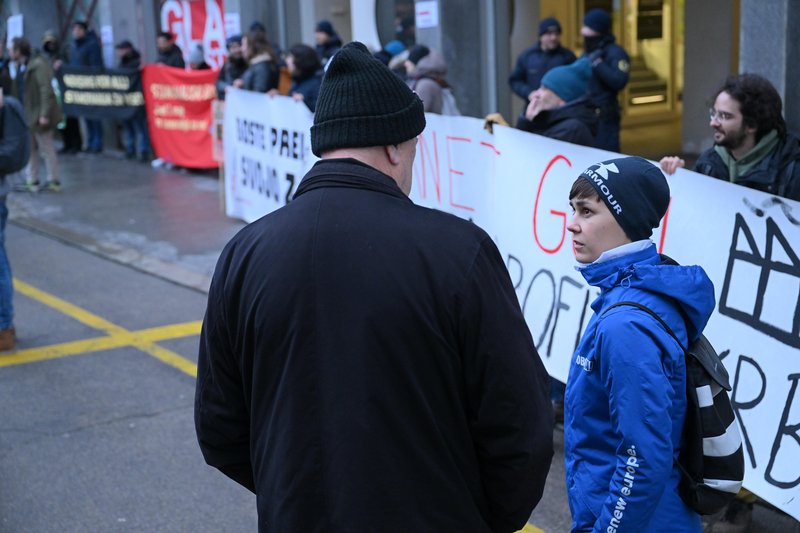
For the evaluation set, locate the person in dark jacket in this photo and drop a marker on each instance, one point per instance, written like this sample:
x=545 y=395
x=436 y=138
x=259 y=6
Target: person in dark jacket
x=751 y=144
x=560 y=108
x=135 y=128
x=535 y=61
x=168 y=52
x=306 y=70
x=626 y=389
x=234 y=67
x=364 y=363
x=328 y=41
x=262 y=72
x=610 y=71
x=86 y=52
x=57 y=55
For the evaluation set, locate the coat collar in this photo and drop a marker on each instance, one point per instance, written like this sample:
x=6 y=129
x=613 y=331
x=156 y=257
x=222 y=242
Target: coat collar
x=348 y=173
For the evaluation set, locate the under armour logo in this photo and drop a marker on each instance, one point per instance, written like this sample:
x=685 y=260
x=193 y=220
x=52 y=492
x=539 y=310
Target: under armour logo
x=603 y=169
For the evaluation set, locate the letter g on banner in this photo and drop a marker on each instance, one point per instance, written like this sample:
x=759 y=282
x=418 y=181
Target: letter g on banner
x=558 y=214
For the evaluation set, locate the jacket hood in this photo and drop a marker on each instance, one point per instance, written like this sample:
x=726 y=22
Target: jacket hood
x=432 y=66
x=581 y=109
x=688 y=286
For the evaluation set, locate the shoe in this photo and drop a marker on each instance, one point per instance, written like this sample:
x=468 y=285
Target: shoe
x=737 y=518
x=157 y=163
x=145 y=157
x=53 y=186
x=7 y=339
x=29 y=186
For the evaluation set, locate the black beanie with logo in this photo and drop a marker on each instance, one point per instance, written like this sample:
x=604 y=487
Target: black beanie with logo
x=635 y=191
x=363 y=103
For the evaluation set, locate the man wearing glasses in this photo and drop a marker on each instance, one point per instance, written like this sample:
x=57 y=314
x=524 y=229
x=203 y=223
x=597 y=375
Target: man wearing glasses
x=751 y=144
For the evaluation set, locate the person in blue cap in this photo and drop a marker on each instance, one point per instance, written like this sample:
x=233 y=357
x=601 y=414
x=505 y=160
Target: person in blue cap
x=610 y=68
x=535 y=61
x=328 y=41
x=626 y=390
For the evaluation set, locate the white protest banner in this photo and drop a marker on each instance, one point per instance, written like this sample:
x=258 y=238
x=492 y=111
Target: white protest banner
x=516 y=186
x=267 y=152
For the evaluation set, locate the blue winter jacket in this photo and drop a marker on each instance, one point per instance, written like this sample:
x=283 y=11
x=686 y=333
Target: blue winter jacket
x=626 y=397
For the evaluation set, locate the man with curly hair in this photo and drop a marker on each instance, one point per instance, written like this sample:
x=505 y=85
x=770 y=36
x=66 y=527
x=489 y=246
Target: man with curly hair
x=751 y=144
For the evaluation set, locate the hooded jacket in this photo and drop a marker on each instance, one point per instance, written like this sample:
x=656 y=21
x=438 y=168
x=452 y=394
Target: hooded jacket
x=39 y=98
x=626 y=396
x=778 y=173
x=364 y=365
x=172 y=57
x=574 y=122
x=86 y=51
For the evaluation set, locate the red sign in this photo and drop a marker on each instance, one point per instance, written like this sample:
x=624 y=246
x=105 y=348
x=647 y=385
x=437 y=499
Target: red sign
x=179 y=114
x=197 y=22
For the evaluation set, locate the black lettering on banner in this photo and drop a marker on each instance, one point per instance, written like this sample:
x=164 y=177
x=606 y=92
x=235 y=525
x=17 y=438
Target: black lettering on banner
x=252 y=133
x=767 y=265
x=560 y=304
x=739 y=405
x=290 y=188
x=549 y=276
x=784 y=430
x=518 y=282
x=287 y=143
x=262 y=179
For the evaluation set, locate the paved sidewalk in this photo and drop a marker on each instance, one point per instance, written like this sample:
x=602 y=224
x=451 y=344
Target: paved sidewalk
x=166 y=222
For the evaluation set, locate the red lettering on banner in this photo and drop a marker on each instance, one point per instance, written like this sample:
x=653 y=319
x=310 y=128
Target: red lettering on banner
x=423 y=150
x=197 y=22
x=451 y=171
x=561 y=214
x=664 y=222
x=491 y=146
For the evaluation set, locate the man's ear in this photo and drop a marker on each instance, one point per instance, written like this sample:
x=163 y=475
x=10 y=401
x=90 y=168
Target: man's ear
x=392 y=154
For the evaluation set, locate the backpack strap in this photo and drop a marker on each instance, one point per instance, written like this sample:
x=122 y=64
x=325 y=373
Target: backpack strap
x=651 y=313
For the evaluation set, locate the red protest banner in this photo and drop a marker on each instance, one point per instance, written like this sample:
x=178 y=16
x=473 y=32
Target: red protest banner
x=197 y=22
x=179 y=114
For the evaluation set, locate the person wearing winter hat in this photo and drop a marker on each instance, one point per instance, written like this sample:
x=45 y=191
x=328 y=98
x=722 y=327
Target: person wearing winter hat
x=626 y=390
x=560 y=108
x=536 y=61
x=234 y=67
x=610 y=72
x=328 y=41
x=364 y=360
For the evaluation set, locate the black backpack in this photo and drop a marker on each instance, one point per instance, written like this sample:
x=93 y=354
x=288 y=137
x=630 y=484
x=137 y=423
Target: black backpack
x=15 y=137
x=711 y=477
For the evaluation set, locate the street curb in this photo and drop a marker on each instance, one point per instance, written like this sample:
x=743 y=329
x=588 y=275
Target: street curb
x=114 y=252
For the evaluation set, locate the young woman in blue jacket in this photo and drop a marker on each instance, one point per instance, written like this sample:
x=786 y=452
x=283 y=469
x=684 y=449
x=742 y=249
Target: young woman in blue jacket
x=626 y=392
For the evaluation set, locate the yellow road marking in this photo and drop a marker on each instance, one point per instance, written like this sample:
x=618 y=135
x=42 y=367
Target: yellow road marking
x=117 y=336
x=530 y=528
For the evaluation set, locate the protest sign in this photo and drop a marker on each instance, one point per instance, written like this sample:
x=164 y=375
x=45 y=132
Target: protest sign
x=516 y=186
x=98 y=93
x=197 y=23
x=179 y=114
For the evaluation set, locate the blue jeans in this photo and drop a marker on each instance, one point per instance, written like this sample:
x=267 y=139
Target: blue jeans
x=136 y=134
x=94 y=130
x=6 y=289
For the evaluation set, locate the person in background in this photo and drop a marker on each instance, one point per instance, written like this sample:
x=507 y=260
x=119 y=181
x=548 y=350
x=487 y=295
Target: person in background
x=751 y=144
x=234 y=67
x=41 y=113
x=262 y=71
x=338 y=417
x=389 y=51
x=306 y=71
x=626 y=390
x=425 y=74
x=168 y=52
x=328 y=41
x=197 y=59
x=610 y=71
x=135 y=128
x=14 y=140
x=57 y=54
x=535 y=61
x=86 y=52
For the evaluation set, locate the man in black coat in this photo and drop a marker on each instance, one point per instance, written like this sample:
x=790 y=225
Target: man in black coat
x=537 y=60
x=364 y=364
x=169 y=53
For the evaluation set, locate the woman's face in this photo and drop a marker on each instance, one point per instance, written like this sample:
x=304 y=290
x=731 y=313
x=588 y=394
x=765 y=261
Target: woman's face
x=290 y=63
x=245 y=48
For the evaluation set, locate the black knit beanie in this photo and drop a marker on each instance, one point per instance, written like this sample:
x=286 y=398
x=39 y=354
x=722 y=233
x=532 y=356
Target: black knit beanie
x=363 y=103
x=635 y=191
